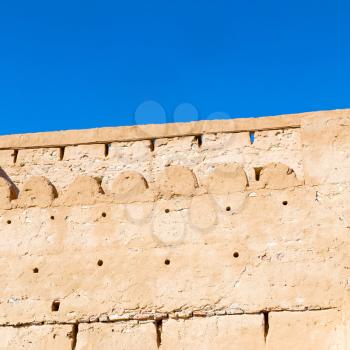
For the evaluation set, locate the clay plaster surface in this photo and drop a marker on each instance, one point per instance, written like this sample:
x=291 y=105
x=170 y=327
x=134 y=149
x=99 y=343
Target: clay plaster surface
x=211 y=235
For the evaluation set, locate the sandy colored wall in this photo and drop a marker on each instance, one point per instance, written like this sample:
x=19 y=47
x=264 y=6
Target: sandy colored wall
x=209 y=235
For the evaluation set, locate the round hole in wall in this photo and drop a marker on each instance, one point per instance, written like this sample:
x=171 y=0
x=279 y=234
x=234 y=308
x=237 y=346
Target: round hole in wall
x=100 y=263
x=9 y=222
x=235 y=254
x=285 y=202
x=228 y=208
x=52 y=217
x=104 y=214
x=167 y=211
x=167 y=262
x=35 y=270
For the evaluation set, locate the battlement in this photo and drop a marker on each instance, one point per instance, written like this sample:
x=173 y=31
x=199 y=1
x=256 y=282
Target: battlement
x=212 y=234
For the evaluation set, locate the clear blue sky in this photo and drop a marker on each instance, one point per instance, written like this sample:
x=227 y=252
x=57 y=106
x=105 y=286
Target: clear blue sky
x=81 y=64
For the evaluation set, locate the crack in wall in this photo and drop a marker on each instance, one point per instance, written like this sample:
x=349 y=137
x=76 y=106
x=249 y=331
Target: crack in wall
x=159 y=324
x=158 y=317
x=266 y=325
x=74 y=335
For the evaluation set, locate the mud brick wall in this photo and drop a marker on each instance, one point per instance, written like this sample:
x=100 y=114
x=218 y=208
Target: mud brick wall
x=209 y=235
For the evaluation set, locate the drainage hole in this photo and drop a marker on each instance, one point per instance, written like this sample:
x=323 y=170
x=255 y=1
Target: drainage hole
x=104 y=214
x=285 y=202
x=100 y=263
x=55 y=306
x=228 y=208
x=167 y=262
x=235 y=254
x=35 y=270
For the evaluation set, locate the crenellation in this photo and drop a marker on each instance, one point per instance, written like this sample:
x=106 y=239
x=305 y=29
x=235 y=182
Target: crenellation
x=84 y=190
x=7 y=157
x=38 y=156
x=226 y=179
x=37 y=191
x=131 y=186
x=181 y=151
x=215 y=149
x=77 y=153
x=135 y=156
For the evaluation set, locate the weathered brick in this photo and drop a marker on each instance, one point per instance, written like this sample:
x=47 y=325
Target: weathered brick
x=40 y=337
x=121 y=335
x=321 y=330
x=222 y=332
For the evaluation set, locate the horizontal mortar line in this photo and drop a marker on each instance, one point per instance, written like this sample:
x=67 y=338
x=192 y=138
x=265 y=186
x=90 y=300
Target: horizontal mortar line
x=164 y=316
x=133 y=139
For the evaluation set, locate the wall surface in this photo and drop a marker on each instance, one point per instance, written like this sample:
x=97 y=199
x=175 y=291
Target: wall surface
x=208 y=235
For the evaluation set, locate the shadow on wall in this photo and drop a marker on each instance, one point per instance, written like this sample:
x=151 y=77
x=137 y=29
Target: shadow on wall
x=131 y=186
x=4 y=175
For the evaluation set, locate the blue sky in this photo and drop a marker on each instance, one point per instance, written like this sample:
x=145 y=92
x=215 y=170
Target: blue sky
x=83 y=64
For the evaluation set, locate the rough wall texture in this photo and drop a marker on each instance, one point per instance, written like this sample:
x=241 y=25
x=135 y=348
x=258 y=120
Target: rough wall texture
x=209 y=235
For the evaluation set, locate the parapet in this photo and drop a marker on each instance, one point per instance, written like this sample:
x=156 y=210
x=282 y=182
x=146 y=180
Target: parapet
x=212 y=234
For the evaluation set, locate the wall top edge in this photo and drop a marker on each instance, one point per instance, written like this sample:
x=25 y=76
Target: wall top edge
x=155 y=131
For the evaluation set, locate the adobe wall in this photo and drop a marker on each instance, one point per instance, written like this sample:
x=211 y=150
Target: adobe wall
x=210 y=235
